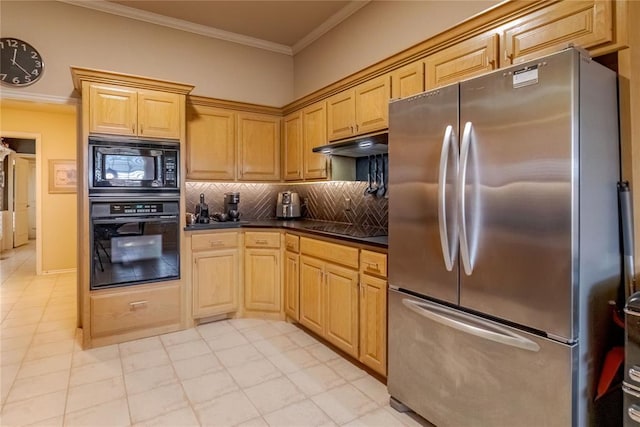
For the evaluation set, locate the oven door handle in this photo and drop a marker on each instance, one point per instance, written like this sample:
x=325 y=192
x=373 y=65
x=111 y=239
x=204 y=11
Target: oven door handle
x=134 y=219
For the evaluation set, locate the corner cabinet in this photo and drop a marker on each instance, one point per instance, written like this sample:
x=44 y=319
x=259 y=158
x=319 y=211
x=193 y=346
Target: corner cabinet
x=258 y=147
x=292 y=147
x=122 y=110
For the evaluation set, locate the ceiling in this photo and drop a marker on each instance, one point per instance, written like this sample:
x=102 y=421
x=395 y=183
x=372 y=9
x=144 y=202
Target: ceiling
x=281 y=26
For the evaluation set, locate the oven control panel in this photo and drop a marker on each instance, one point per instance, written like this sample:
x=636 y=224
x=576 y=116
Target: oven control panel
x=135 y=208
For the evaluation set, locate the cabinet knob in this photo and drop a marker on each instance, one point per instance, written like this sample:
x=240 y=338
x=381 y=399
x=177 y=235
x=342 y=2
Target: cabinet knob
x=261 y=242
x=137 y=304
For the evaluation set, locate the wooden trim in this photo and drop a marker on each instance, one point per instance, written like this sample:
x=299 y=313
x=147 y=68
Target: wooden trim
x=79 y=75
x=193 y=100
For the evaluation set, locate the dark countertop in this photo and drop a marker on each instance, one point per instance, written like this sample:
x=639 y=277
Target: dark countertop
x=347 y=232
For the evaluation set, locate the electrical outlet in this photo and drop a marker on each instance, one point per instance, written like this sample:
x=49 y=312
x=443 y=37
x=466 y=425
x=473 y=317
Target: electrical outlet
x=347 y=204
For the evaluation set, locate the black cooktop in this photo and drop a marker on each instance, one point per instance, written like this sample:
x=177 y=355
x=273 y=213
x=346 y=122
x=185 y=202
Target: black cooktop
x=349 y=229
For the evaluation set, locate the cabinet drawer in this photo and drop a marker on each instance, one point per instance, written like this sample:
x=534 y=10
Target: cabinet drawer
x=203 y=242
x=292 y=243
x=338 y=254
x=373 y=263
x=128 y=311
x=262 y=239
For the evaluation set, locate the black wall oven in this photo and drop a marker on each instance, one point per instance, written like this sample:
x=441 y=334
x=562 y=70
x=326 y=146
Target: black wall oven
x=124 y=165
x=134 y=241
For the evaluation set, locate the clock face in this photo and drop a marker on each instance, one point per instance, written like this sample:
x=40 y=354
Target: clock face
x=21 y=64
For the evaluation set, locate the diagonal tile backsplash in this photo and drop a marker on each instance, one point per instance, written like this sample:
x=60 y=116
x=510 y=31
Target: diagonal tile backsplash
x=325 y=201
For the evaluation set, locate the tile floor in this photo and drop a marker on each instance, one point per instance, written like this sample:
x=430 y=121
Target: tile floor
x=244 y=372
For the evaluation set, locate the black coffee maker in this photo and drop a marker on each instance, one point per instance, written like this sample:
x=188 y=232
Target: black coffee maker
x=231 y=201
x=202 y=211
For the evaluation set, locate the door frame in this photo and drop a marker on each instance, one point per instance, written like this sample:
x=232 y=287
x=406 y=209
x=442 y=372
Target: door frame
x=38 y=156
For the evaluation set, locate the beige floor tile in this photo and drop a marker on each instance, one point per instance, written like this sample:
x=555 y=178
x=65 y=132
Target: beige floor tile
x=273 y=395
x=373 y=388
x=293 y=360
x=303 y=413
x=153 y=403
x=11 y=329
x=237 y=356
x=346 y=369
x=7 y=376
x=27 y=388
x=344 y=403
x=184 y=417
x=245 y=323
x=53 y=336
x=260 y=332
x=145 y=360
x=51 y=422
x=227 y=341
x=322 y=352
x=254 y=372
x=302 y=338
x=208 y=387
x=227 y=410
x=197 y=366
x=50 y=349
x=21 y=312
x=284 y=327
x=21 y=342
x=275 y=345
x=140 y=346
x=215 y=329
x=148 y=379
x=46 y=365
x=11 y=357
x=92 y=394
x=188 y=350
x=108 y=414
x=31 y=411
x=254 y=422
x=408 y=419
x=180 y=337
x=97 y=371
x=316 y=379
x=377 y=418
x=56 y=325
x=95 y=355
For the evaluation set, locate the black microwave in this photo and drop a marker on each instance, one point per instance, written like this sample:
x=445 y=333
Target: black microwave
x=129 y=165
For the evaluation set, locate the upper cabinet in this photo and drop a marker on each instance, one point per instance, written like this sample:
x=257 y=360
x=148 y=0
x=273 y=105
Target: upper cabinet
x=314 y=134
x=360 y=110
x=211 y=147
x=292 y=147
x=587 y=24
x=466 y=59
x=407 y=80
x=258 y=147
x=122 y=110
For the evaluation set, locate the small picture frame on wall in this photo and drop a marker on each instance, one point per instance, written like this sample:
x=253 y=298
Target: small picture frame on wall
x=62 y=176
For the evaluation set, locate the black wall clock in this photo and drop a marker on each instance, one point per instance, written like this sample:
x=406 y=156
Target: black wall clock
x=21 y=64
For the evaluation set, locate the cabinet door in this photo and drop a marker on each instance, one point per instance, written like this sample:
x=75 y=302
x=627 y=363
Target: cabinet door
x=372 y=104
x=211 y=143
x=258 y=147
x=314 y=120
x=407 y=80
x=291 y=285
x=262 y=279
x=584 y=23
x=373 y=323
x=466 y=59
x=113 y=110
x=158 y=114
x=341 y=308
x=215 y=282
x=292 y=147
x=312 y=294
x=341 y=115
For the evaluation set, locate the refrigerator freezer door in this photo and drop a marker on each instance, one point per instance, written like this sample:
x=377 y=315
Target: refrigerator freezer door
x=517 y=191
x=423 y=147
x=455 y=369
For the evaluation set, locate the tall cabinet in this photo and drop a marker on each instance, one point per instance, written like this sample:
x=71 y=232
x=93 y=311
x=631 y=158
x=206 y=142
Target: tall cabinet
x=131 y=106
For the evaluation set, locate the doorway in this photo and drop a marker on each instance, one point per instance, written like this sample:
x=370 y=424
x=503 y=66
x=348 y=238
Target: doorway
x=21 y=200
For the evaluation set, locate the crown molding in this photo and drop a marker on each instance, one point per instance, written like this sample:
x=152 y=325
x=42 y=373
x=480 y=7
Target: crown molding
x=16 y=95
x=329 y=24
x=179 y=24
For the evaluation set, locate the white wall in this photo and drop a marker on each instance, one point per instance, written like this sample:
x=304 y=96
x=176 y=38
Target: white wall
x=377 y=31
x=68 y=35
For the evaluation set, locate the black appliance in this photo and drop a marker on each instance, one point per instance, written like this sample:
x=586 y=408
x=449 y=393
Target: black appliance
x=124 y=165
x=134 y=242
x=231 y=201
x=202 y=211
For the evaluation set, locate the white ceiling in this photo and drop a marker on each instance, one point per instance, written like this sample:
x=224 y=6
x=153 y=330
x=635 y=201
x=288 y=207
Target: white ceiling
x=280 y=26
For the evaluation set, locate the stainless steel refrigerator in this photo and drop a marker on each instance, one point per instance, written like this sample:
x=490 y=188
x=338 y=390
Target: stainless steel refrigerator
x=503 y=244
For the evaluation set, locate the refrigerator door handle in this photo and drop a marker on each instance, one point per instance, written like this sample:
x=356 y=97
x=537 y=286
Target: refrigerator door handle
x=464 y=323
x=462 y=180
x=447 y=252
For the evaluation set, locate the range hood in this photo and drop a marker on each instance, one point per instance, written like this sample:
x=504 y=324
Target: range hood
x=360 y=146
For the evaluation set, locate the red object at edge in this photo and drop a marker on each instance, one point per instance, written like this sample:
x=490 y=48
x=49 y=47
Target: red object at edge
x=612 y=363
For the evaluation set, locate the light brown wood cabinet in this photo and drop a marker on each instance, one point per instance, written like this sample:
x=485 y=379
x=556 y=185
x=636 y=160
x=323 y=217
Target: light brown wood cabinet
x=342 y=308
x=463 y=60
x=215 y=273
x=373 y=310
x=262 y=277
x=360 y=110
x=121 y=110
x=292 y=147
x=292 y=277
x=314 y=134
x=258 y=147
x=407 y=80
x=211 y=143
x=588 y=24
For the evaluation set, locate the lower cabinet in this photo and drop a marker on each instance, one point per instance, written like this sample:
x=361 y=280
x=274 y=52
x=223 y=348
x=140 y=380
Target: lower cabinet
x=262 y=278
x=292 y=285
x=341 y=328
x=373 y=323
x=215 y=273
